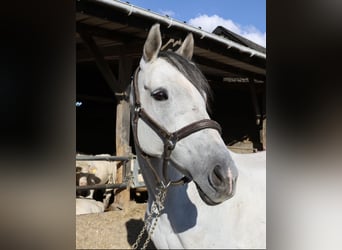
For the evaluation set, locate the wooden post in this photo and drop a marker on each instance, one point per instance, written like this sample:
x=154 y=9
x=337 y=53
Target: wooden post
x=258 y=115
x=119 y=86
x=263 y=134
x=255 y=101
x=263 y=129
x=122 y=196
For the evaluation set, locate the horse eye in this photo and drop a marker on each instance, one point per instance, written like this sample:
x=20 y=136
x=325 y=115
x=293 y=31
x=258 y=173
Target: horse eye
x=160 y=94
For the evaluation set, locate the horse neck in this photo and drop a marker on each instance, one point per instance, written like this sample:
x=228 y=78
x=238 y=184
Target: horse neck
x=183 y=206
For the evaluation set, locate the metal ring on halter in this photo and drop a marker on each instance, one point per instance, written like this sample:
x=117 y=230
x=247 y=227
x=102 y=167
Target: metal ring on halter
x=171 y=144
x=165 y=186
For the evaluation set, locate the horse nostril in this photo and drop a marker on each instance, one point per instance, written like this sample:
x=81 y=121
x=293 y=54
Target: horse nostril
x=217 y=177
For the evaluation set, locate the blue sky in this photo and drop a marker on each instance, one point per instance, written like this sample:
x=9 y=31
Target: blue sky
x=244 y=17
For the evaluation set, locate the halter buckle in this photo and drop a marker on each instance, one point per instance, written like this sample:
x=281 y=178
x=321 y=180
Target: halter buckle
x=171 y=141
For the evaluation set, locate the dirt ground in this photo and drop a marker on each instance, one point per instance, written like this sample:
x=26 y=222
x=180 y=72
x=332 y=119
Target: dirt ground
x=116 y=229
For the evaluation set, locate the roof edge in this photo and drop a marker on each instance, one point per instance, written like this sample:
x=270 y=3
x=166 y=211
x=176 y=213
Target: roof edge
x=135 y=10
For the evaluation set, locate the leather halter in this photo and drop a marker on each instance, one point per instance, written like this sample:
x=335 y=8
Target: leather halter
x=169 y=139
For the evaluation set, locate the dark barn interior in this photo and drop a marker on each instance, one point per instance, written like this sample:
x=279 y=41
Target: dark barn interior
x=231 y=106
x=95 y=117
x=234 y=110
x=237 y=78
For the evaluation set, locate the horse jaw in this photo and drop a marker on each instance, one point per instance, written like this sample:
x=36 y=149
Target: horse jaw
x=201 y=166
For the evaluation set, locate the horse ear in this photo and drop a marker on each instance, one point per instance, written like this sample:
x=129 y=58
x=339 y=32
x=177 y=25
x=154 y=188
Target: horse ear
x=187 y=48
x=152 y=44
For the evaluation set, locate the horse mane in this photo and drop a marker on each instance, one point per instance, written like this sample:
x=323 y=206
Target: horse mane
x=191 y=72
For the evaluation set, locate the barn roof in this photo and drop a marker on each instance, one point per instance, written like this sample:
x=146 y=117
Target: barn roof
x=120 y=28
x=221 y=31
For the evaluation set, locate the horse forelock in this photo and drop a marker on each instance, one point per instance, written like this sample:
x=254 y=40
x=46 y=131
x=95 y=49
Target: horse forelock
x=191 y=72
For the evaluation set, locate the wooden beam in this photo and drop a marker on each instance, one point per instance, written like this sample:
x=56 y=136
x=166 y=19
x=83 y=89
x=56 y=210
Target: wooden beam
x=260 y=122
x=255 y=101
x=201 y=60
x=125 y=70
x=123 y=130
x=113 y=35
x=263 y=134
x=122 y=197
x=133 y=50
x=142 y=24
x=100 y=61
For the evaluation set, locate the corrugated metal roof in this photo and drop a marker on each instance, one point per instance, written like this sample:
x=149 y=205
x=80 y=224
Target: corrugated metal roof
x=121 y=27
x=221 y=31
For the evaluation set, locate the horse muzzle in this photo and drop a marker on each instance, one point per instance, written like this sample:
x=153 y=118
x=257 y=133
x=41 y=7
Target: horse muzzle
x=219 y=187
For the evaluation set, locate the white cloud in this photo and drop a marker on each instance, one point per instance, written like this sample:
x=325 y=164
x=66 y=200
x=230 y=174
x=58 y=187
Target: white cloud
x=209 y=23
x=167 y=12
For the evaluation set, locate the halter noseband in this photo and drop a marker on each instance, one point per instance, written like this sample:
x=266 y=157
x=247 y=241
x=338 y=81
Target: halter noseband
x=169 y=139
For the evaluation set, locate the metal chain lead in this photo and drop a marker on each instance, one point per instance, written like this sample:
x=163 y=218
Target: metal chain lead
x=156 y=208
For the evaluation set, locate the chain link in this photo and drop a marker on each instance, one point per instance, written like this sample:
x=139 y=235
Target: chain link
x=156 y=208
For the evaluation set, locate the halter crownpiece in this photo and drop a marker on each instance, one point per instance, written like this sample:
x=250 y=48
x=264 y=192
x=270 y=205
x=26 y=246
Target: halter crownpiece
x=169 y=139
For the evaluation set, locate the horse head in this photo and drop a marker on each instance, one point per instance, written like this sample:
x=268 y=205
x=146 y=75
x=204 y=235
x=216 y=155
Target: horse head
x=174 y=125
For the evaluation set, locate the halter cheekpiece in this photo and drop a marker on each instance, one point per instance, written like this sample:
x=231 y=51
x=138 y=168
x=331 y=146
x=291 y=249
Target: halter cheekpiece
x=169 y=139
